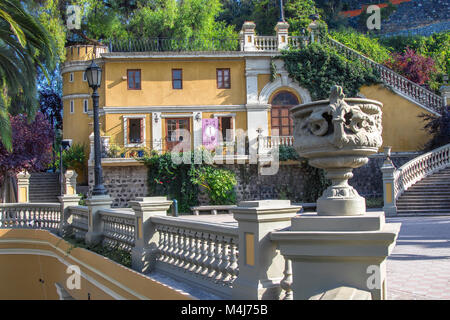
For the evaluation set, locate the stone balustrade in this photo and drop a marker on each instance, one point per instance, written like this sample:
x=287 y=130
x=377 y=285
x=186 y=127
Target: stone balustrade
x=79 y=221
x=396 y=181
x=393 y=79
x=118 y=227
x=197 y=252
x=30 y=215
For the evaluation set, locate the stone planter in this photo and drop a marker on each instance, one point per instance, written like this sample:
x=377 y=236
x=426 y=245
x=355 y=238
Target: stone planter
x=337 y=135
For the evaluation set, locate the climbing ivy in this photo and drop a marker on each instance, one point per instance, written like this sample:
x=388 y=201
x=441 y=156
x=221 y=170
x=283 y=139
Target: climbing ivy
x=318 y=67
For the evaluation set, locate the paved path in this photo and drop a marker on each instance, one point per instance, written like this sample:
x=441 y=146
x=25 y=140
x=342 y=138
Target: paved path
x=419 y=267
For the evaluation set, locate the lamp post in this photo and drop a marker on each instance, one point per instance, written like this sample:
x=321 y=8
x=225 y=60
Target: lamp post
x=94 y=78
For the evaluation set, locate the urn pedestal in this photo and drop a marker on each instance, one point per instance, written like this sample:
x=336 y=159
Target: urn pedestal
x=341 y=248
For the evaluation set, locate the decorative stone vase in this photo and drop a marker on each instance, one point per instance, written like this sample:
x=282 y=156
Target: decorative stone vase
x=337 y=135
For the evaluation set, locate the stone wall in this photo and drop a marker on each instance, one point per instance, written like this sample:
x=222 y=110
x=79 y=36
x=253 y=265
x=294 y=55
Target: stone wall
x=125 y=183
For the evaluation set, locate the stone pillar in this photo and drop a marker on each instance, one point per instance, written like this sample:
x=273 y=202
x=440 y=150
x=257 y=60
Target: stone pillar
x=313 y=27
x=197 y=128
x=23 y=187
x=95 y=228
x=445 y=93
x=329 y=252
x=157 y=143
x=91 y=150
x=144 y=252
x=70 y=185
x=260 y=264
x=67 y=201
x=388 y=169
x=248 y=33
x=282 y=34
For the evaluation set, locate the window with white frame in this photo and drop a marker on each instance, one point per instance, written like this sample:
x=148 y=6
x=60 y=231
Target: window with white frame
x=71 y=77
x=134 y=130
x=72 y=106
x=85 y=105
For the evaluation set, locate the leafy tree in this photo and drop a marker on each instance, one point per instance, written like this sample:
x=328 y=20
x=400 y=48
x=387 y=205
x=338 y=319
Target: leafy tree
x=411 y=65
x=24 y=47
x=31 y=147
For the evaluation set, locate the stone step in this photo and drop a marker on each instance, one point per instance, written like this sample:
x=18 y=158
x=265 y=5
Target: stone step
x=424 y=212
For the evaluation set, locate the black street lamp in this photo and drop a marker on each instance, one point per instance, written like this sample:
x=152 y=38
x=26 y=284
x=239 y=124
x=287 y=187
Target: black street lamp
x=94 y=78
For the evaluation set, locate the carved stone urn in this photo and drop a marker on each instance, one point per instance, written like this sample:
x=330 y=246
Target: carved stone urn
x=337 y=135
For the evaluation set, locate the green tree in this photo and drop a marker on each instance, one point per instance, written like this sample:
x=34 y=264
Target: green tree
x=25 y=46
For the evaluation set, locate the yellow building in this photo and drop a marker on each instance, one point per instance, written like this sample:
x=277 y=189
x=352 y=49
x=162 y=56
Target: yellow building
x=146 y=96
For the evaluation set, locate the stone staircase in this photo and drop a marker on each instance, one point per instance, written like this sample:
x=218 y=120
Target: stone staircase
x=430 y=195
x=44 y=187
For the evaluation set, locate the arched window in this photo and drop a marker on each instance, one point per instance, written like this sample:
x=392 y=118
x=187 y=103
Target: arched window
x=282 y=102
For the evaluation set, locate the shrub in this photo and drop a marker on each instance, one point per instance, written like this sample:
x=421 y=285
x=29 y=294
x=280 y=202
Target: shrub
x=370 y=47
x=219 y=184
x=413 y=66
x=439 y=128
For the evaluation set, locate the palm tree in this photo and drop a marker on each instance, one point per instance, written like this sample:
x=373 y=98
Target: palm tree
x=25 y=46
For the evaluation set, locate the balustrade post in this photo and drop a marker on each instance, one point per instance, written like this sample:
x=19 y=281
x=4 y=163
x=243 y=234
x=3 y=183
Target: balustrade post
x=445 y=92
x=23 y=187
x=95 y=227
x=145 y=251
x=248 y=33
x=67 y=201
x=260 y=264
x=282 y=34
x=388 y=169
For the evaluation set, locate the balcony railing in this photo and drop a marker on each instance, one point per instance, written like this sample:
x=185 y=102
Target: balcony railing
x=174 y=45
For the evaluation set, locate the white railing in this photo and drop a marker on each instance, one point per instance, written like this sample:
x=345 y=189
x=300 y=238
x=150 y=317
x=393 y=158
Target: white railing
x=297 y=41
x=80 y=221
x=393 y=79
x=266 y=43
x=30 y=215
x=270 y=142
x=201 y=253
x=118 y=227
x=420 y=167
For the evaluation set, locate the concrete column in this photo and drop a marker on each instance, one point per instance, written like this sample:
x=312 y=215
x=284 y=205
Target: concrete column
x=248 y=33
x=67 y=201
x=145 y=250
x=329 y=252
x=70 y=183
x=23 y=187
x=313 y=27
x=197 y=128
x=95 y=228
x=282 y=34
x=157 y=144
x=445 y=93
x=388 y=170
x=260 y=264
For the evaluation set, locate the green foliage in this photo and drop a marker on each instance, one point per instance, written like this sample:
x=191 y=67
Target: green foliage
x=219 y=184
x=73 y=158
x=318 y=67
x=368 y=46
x=182 y=181
x=25 y=46
x=436 y=46
x=287 y=153
x=116 y=254
x=315 y=182
x=374 y=202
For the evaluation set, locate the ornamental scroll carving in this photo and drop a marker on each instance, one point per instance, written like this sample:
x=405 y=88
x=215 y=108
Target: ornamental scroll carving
x=342 y=122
